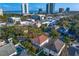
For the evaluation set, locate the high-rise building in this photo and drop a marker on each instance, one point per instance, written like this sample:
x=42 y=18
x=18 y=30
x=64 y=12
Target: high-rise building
x=25 y=9
x=1 y=12
x=40 y=11
x=50 y=8
x=61 y=10
x=67 y=9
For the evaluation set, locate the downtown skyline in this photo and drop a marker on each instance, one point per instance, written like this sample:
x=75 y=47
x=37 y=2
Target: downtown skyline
x=35 y=6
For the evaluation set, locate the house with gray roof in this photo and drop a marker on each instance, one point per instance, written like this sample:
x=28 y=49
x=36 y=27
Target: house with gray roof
x=54 y=48
x=7 y=50
x=73 y=50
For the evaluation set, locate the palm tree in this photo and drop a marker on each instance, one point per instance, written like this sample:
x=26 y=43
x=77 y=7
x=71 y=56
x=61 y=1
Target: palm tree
x=63 y=22
x=66 y=39
x=54 y=34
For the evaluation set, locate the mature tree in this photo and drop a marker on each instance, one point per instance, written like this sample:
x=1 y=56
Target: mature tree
x=3 y=18
x=67 y=39
x=11 y=32
x=34 y=32
x=63 y=22
x=25 y=44
x=29 y=46
x=54 y=34
x=43 y=27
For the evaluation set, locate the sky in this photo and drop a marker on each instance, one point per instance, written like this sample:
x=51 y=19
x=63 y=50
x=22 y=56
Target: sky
x=36 y=6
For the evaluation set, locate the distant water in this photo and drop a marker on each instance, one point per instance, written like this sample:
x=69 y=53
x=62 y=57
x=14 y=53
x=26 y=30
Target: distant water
x=12 y=12
x=18 y=12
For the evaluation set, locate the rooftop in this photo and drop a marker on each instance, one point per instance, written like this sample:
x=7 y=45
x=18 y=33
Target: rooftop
x=7 y=49
x=73 y=49
x=2 y=42
x=40 y=39
x=21 y=38
x=54 y=46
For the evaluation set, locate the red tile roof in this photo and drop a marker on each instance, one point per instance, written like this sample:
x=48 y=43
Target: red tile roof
x=40 y=39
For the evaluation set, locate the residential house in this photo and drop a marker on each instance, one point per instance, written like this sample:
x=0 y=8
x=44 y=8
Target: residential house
x=16 y=19
x=49 y=17
x=28 y=22
x=40 y=40
x=62 y=30
x=10 y=20
x=7 y=50
x=36 y=17
x=71 y=33
x=73 y=50
x=53 y=23
x=21 y=51
x=50 y=22
x=21 y=38
x=42 y=17
x=38 y=24
x=2 y=42
x=2 y=24
x=23 y=23
x=54 y=48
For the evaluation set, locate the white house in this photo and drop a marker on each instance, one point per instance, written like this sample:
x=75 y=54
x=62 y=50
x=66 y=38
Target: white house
x=42 y=17
x=2 y=24
x=16 y=19
x=38 y=24
x=26 y=23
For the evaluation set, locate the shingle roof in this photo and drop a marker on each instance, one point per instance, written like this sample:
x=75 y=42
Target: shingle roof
x=54 y=46
x=7 y=49
x=58 y=44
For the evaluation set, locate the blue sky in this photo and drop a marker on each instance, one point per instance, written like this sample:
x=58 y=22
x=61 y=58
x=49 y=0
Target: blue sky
x=36 y=6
